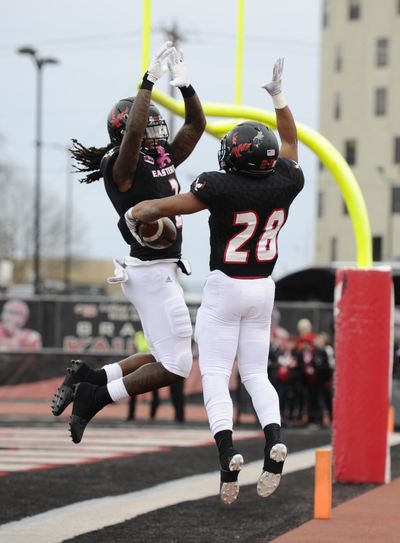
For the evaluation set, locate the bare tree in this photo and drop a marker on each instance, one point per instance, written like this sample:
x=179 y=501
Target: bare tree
x=16 y=220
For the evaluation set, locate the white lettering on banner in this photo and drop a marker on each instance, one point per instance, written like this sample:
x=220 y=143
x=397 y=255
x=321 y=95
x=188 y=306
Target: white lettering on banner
x=99 y=344
x=88 y=311
x=118 y=312
x=127 y=330
x=84 y=328
x=106 y=328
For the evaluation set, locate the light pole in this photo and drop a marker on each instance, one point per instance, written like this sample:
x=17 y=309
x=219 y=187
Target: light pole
x=39 y=62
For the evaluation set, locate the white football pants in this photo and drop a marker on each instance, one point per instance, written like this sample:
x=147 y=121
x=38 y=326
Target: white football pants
x=155 y=292
x=234 y=319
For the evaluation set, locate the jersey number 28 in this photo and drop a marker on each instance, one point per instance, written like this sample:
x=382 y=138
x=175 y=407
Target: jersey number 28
x=266 y=248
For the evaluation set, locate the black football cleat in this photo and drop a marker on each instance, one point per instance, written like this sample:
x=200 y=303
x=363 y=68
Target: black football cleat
x=88 y=400
x=271 y=475
x=229 y=487
x=76 y=373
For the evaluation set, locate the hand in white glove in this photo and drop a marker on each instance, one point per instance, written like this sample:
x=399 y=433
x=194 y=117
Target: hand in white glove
x=275 y=86
x=133 y=226
x=158 y=67
x=178 y=69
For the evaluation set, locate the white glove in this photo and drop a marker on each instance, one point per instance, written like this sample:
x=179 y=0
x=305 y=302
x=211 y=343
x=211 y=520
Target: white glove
x=133 y=226
x=274 y=88
x=178 y=69
x=158 y=67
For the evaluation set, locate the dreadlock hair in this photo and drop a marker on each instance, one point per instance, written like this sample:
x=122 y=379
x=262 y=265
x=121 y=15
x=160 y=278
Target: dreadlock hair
x=89 y=158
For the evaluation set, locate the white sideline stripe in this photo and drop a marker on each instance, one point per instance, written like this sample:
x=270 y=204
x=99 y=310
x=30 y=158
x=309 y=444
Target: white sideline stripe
x=84 y=453
x=73 y=449
x=26 y=448
x=21 y=467
x=132 y=433
x=154 y=436
x=394 y=439
x=70 y=521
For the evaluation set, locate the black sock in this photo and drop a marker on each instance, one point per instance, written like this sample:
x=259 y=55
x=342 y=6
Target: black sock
x=103 y=397
x=272 y=434
x=98 y=377
x=85 y=374
x=224 y=443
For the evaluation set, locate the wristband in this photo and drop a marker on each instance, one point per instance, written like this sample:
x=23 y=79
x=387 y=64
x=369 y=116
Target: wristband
x=146 y=83
x=279 y=101
x=187 y=92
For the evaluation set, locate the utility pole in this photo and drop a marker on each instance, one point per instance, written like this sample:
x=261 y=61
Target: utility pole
x=173 y=34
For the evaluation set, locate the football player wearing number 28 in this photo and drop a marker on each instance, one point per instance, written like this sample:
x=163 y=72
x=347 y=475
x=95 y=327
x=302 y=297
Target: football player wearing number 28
x=248 y=202
x=138 y=164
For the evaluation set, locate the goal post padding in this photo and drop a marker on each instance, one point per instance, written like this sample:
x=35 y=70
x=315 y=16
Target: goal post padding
x=363 y=347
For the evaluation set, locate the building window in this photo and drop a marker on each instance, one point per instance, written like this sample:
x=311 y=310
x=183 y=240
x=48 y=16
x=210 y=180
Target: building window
x=382 y=52
x=397 y=150
x=325 y=14
x=337 y=112
x=377 y=248
x=396 y=199
x=345 y=211
x=351 y=152
x=380 y=101
x=354 y=9
x=338 y=58
x=320 y=201
x=334 y=249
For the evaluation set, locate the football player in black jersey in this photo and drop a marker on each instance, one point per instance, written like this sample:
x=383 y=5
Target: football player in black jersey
x=249 y=202
x=139 y=164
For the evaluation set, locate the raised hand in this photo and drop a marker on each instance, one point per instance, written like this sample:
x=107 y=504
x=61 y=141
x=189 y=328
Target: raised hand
x=158 y=67
x=274 y=87
x=178 y=69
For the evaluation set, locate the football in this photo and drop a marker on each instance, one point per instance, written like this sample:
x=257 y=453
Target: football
x=159 y=234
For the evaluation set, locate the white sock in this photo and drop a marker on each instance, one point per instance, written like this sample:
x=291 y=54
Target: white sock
x=113 y=371
x=117 y=390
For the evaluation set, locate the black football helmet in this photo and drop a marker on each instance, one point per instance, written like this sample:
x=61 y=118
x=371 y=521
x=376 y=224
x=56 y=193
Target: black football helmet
x=156 y=129
x=250 y=148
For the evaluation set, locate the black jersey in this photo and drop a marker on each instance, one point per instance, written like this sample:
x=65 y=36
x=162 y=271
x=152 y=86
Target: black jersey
x=155 y=177
x=246 y=215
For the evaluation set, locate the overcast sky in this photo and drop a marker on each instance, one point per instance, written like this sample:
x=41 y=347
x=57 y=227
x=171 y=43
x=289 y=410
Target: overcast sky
x=99 y=49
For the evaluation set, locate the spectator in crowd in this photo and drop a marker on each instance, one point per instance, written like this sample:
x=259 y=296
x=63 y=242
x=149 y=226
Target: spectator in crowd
x=301 y=369
x=323 y=361
x=13 y=334
x=306 y=335
x=278 y=333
